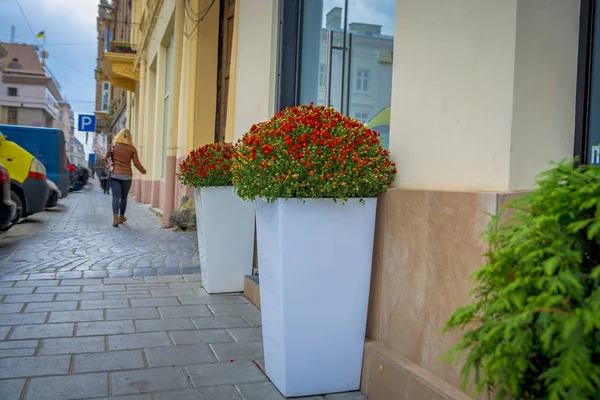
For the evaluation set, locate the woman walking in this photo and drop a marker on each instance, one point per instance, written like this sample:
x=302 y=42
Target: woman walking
x=120 y=154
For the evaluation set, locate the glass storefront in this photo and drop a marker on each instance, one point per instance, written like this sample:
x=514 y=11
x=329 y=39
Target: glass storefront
x=345 y=58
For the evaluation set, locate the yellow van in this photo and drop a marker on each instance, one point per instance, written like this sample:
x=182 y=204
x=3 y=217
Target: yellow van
x=28 y=187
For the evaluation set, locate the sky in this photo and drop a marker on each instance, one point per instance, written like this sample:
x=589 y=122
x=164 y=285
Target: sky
x=378 y=12
x=70 y=27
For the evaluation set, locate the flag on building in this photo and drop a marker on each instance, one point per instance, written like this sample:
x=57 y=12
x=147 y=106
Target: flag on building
x=40 y=35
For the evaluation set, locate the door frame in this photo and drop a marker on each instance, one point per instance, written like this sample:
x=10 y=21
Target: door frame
x=226 y=11
x=587 y=20
x=290 y=53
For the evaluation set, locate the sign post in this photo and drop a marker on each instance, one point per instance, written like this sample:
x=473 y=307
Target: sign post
x=86 y=123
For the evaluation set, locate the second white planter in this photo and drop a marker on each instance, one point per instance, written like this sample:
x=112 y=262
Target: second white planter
x=315 y=269
x=225 y=238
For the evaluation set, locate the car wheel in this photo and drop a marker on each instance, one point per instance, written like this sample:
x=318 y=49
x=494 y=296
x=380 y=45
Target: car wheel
x=19 y=214
x=52 y=200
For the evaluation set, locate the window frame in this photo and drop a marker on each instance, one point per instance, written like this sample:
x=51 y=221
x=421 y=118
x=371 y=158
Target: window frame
x=16 y=91
x=362 y=116
x=322 y=75
x=364 y=80
x=587 y=20
x=289 y=53
x=15 y=111
x=105 y=100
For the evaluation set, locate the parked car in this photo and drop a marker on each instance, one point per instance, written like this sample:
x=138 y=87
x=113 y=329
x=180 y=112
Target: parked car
x=83 y=170
x=8 y=208
x=54 y=194
x=28 y=187
x=77 y=178
x=47 y=145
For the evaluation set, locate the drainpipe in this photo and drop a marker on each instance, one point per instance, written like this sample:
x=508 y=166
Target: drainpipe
x=171 y=161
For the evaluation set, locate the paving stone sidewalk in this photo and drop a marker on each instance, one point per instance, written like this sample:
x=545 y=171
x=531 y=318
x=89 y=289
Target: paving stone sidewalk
x=73 y=326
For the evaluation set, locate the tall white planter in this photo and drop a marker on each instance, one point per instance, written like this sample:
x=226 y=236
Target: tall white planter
x=315 y=269
x=225 y=238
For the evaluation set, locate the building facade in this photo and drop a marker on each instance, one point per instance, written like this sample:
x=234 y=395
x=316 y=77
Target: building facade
x=114 y=25
x=99 y=145
x=65 y=121
x=3 y=54
x=29 y=93
x=481 y=97
x=171 y=70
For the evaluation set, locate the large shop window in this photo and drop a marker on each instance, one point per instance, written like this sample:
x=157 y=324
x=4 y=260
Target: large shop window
x=339 y=53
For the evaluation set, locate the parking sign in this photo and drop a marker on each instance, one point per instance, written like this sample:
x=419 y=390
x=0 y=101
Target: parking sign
x=86 y=123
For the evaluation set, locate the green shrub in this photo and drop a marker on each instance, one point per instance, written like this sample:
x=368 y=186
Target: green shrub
x=533 y=330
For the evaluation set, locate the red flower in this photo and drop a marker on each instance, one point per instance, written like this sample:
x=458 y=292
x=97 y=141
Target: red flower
x=311 y=152
x=209 y=165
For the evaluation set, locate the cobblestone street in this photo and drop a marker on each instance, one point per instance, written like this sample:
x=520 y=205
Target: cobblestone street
x=77 y=240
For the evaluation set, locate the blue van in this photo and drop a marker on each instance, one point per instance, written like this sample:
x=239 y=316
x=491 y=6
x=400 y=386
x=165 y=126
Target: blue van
x=45 y=144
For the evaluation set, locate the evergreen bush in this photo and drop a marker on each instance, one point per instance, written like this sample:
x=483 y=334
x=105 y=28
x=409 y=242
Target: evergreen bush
x=533 y=329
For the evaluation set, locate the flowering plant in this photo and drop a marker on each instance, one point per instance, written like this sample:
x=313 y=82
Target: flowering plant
x=209 y=165
x=311 y=152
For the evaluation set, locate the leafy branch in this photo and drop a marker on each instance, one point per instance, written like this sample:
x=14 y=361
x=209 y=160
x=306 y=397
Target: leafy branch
x=533 y=329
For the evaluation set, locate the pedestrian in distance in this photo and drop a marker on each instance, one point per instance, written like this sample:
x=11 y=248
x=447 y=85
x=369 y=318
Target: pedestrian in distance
x=103 y=176
x=121 y=153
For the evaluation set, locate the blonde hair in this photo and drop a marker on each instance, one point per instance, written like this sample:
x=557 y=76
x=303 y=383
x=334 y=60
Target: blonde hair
x=124 y=136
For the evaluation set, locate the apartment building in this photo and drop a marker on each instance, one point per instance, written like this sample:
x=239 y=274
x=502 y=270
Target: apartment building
x=29 y=93
x=114 y=25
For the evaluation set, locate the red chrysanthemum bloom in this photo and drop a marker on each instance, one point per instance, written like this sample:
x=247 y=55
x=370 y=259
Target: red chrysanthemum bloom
x=209 y=165
x=311 y=152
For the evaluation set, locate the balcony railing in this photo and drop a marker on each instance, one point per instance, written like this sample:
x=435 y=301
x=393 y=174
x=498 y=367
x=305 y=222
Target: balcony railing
x=123 y=48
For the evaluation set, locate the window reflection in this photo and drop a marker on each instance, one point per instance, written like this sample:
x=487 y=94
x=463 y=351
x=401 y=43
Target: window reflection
x=355 y=71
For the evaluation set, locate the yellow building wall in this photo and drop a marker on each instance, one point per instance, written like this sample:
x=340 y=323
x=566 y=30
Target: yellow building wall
x=256 y=63
x=206 y=76
x=192 y=102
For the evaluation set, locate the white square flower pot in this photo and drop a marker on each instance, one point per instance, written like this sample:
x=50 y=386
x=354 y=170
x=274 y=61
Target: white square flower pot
x=315 y=269
x=225 y=238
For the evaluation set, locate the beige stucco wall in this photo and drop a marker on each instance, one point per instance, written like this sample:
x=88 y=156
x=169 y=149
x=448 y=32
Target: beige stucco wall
x=544 y=87
x=256 y=63
x=483 y=98
x=31 y=117
x=483 y=92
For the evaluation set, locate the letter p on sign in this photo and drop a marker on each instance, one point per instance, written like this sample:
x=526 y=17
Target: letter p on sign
x=86 y=123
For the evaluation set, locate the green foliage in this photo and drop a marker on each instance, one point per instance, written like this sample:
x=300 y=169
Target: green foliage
x=533 y=330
